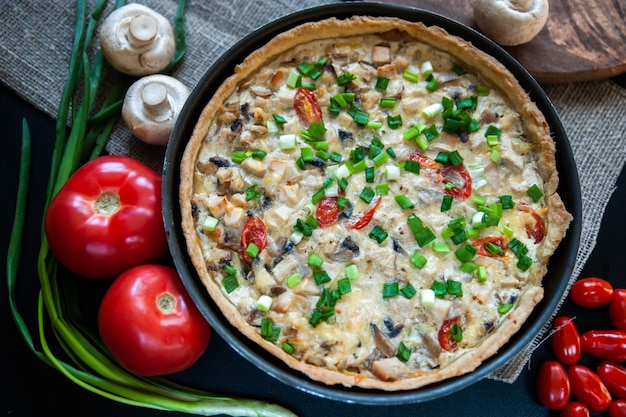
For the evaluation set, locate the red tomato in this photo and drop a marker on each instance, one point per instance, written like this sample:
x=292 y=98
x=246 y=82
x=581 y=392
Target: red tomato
x=254 y=231
x=460 y=177
x=575 y=409
x=150 y=324
x=306 y=106
x=107 y=218
x=327 y=211
x=444 y=336
x=591 y=292
x=605 y=344
x=565 y=340
x=553 y=387
x=617 y=408
x=496 y=240
x=588 y=388
x=614 y=377
x=360 y=222
x=425 y=161
x=535 y=231
x=617 y=309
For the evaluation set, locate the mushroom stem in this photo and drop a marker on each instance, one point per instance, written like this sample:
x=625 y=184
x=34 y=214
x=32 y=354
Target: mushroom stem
x=142 y=30
x=521 y=5
x=156 y=102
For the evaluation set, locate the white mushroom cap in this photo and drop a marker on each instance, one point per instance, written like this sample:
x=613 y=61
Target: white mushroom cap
x=151 y=106
x=510 y=22
x=137 y=40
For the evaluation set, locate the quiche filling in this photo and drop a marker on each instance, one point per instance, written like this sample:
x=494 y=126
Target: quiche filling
x=371 y=209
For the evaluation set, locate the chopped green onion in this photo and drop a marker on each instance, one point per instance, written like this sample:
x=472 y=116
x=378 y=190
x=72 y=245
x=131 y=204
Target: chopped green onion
x=387 y=102
x=294 y=80
x=412 y=166
x=352 y=271
x=433 y=110
x=230 y=283
x=264 y=302
x=381 y=158
x=426 y=68
x=288 y=348
x=465 y=253
x=454 y=288
x=392 y=172
x=238 y=156
x=427 y=297
x=418 y=260
x=535 y=193
x=382 y=83
x=272 y=127
x=315 y=260
x=358 y=115
x=504 y=308
x=390 y=152
x=293 y=280
x=209 y=224
x=378 y=234
x=287 y=141
x=455 y=158
x=482 y=90
x=369 y=174
x=507 y=231
x=252 y=193
x=403 y=353
x=469 y=267
x=342 y=202
x=507 y=201
x=403 y=201
x=317 y=196
x=252 y=250
x=321 y=277
x=524 y=262
x=410 y=76
x=343 y=285
x=456 y=332
x=367 y=194
x=441 y=247
x=431 y=132
x=422 y=142
x=345 y=78
x=482 y=273
x=374 y=124
x=394 y=122
x=268 y=330
x=280 y=120
x=439 y=289
x=432 y=84
x=391 y=289
x=409 y=291
x=494 y=154
x=382 y=189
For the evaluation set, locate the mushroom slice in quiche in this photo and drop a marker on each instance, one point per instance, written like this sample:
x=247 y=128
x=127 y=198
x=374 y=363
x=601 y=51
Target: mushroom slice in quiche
x=373 y=201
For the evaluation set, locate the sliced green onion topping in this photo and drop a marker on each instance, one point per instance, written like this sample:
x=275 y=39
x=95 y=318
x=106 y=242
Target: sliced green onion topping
x=378 y=234
x=367 y=194
x=418 y=260
x=382 y=83
x=404 y=353
x=403 y=201
x=391 y=289
x=535 y=193
x=252 y=250
x=352 y=271
x=504 y=308
x=410 y=76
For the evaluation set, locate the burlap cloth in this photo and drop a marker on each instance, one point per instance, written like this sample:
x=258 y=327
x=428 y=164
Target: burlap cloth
x=35 y=44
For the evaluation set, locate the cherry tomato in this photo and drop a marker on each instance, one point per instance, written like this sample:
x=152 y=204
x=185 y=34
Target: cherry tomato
x=362 y=221
x=617 y=408
x=614 y=377
x=553 y=387
x=617 y=309
x=327 y=211
x=150 y=324
x=254 y=231
x=480 y=245
x=460 y=177
x=605 y=344
x=591 y=292
x=535 y=231
x=425 y=161
x=566 y=340
x=575 y=409
x=588 y=388
x=107 y=218
x=306 y=106
x=446 y=340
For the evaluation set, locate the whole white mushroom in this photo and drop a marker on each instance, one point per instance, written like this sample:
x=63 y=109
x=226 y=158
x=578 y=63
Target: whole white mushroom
x=152 y=105
x=136 y=40
x=510 y=22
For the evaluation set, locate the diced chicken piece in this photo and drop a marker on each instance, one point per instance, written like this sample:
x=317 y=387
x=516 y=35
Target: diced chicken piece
x=277 y=217
x=254 y=166
x=217 y=205
x=235 y=217
x=402 y=62
x=232 y=178
x=439 y=311
x=387 y=70
x=239 y=200
x=284 y=268
x=288 y=301
x=370 y=100
x=389 y=369
x=263 y=280
x=279 y=77
x=381 y=55
x=275 y=173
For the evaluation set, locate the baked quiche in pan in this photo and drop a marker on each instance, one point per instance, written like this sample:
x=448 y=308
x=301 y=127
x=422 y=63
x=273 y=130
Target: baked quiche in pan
x=373 y=201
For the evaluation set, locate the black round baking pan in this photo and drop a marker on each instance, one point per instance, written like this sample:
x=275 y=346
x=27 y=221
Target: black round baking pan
x=560 y=267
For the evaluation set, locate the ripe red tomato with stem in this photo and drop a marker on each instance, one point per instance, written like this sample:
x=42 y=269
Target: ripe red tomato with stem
x=107 y=218
x=565 y=340
x=591 y=292
x=149 y=323
x=605 y=344
x=614 y=377
x=617 y=309
x=575 y=409
x=588 y=388
x=617 y=408
x=553 y=386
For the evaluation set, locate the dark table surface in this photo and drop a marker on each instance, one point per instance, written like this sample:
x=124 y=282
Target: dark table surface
x=32 y=388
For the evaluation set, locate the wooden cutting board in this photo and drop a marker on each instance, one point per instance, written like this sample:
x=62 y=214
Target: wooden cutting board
x=583 y=40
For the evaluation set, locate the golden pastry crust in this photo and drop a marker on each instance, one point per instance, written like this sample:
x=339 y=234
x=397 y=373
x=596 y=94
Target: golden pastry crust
x=202 y=194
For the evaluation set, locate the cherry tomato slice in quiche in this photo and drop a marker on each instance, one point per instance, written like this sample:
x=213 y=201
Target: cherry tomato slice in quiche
x=566 y=340
x=446 y=333
x=553 y=387
x=459 y=177
x=480 y=245
x=327 y=211
x=363 y=220
x=254 y=231
x=306 y=106
x=591 y=292
x=425 y=161
x=588 y=388
x=107 y=218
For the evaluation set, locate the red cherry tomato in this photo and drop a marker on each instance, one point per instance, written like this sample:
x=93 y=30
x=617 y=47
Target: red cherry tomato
x=591 y=292
x=480 y=244
x=150 y=324
x=588 y=388
x=425 y=161
x=575 y=409
x=254 y=231
x=444 y=336
x=306 y=106
x=107 y=218
x=566 y=340
x=553 y=387
x=362 y=221
x=327 y=211
x=617 y=408
x=460 y=177
x=535 y=231
x=617 y=309
x=614 y=377
x=605 y=344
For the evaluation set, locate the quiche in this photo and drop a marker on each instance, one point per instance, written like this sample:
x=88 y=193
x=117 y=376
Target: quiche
x=373 y=201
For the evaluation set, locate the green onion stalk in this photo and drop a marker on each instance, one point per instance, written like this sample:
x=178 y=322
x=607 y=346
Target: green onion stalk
x=81 y=133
